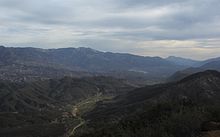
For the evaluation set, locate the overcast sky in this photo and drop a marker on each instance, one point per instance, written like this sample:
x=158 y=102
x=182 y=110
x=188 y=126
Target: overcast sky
x=186 y=28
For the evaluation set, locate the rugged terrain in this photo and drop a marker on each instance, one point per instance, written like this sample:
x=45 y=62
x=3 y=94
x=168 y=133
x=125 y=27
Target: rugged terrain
x=81 y=92
x=45 y=108
x=179 y=109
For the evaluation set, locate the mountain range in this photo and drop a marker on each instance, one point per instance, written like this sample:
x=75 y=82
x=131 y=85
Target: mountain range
x=20 y=64
x=83 y=92
x=30 y=64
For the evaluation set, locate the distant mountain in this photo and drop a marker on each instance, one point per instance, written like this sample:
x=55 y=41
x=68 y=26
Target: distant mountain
x=183 y=61
x=177 y=109
x=210 y=60
x=212 y=64
x=33 y=63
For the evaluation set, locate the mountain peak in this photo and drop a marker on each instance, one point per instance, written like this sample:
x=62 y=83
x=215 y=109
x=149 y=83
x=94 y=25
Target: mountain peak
x=87 y=49
x=2 y=47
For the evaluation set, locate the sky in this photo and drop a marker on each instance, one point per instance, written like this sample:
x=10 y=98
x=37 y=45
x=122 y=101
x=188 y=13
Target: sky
x=185 y=28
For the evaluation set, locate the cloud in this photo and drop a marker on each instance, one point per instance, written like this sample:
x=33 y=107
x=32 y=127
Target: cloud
x=156 y=28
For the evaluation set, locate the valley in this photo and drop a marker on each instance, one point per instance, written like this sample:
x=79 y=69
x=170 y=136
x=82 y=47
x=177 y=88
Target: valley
x=68 y=118
x=83 y=107
x=109 y=68
x=55 y=106
x=81 y=92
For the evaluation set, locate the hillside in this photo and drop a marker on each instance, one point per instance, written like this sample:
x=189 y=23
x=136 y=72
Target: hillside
x=47 y=94
x=177 y=109
x=46 y=107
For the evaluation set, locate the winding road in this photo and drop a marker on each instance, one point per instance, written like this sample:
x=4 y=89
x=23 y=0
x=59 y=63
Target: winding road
x=75 y=128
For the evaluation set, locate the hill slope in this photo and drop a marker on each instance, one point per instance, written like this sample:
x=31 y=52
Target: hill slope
x=48 y=94
x=177 y=109
x=45 y=108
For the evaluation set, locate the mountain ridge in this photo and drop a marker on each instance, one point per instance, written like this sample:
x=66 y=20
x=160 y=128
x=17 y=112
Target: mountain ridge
x=24 y=61
x=183 y=61
x=213 y=65
x=159 y=110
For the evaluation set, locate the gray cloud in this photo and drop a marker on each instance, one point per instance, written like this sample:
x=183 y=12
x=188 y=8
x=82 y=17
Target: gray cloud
x=136 y=26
